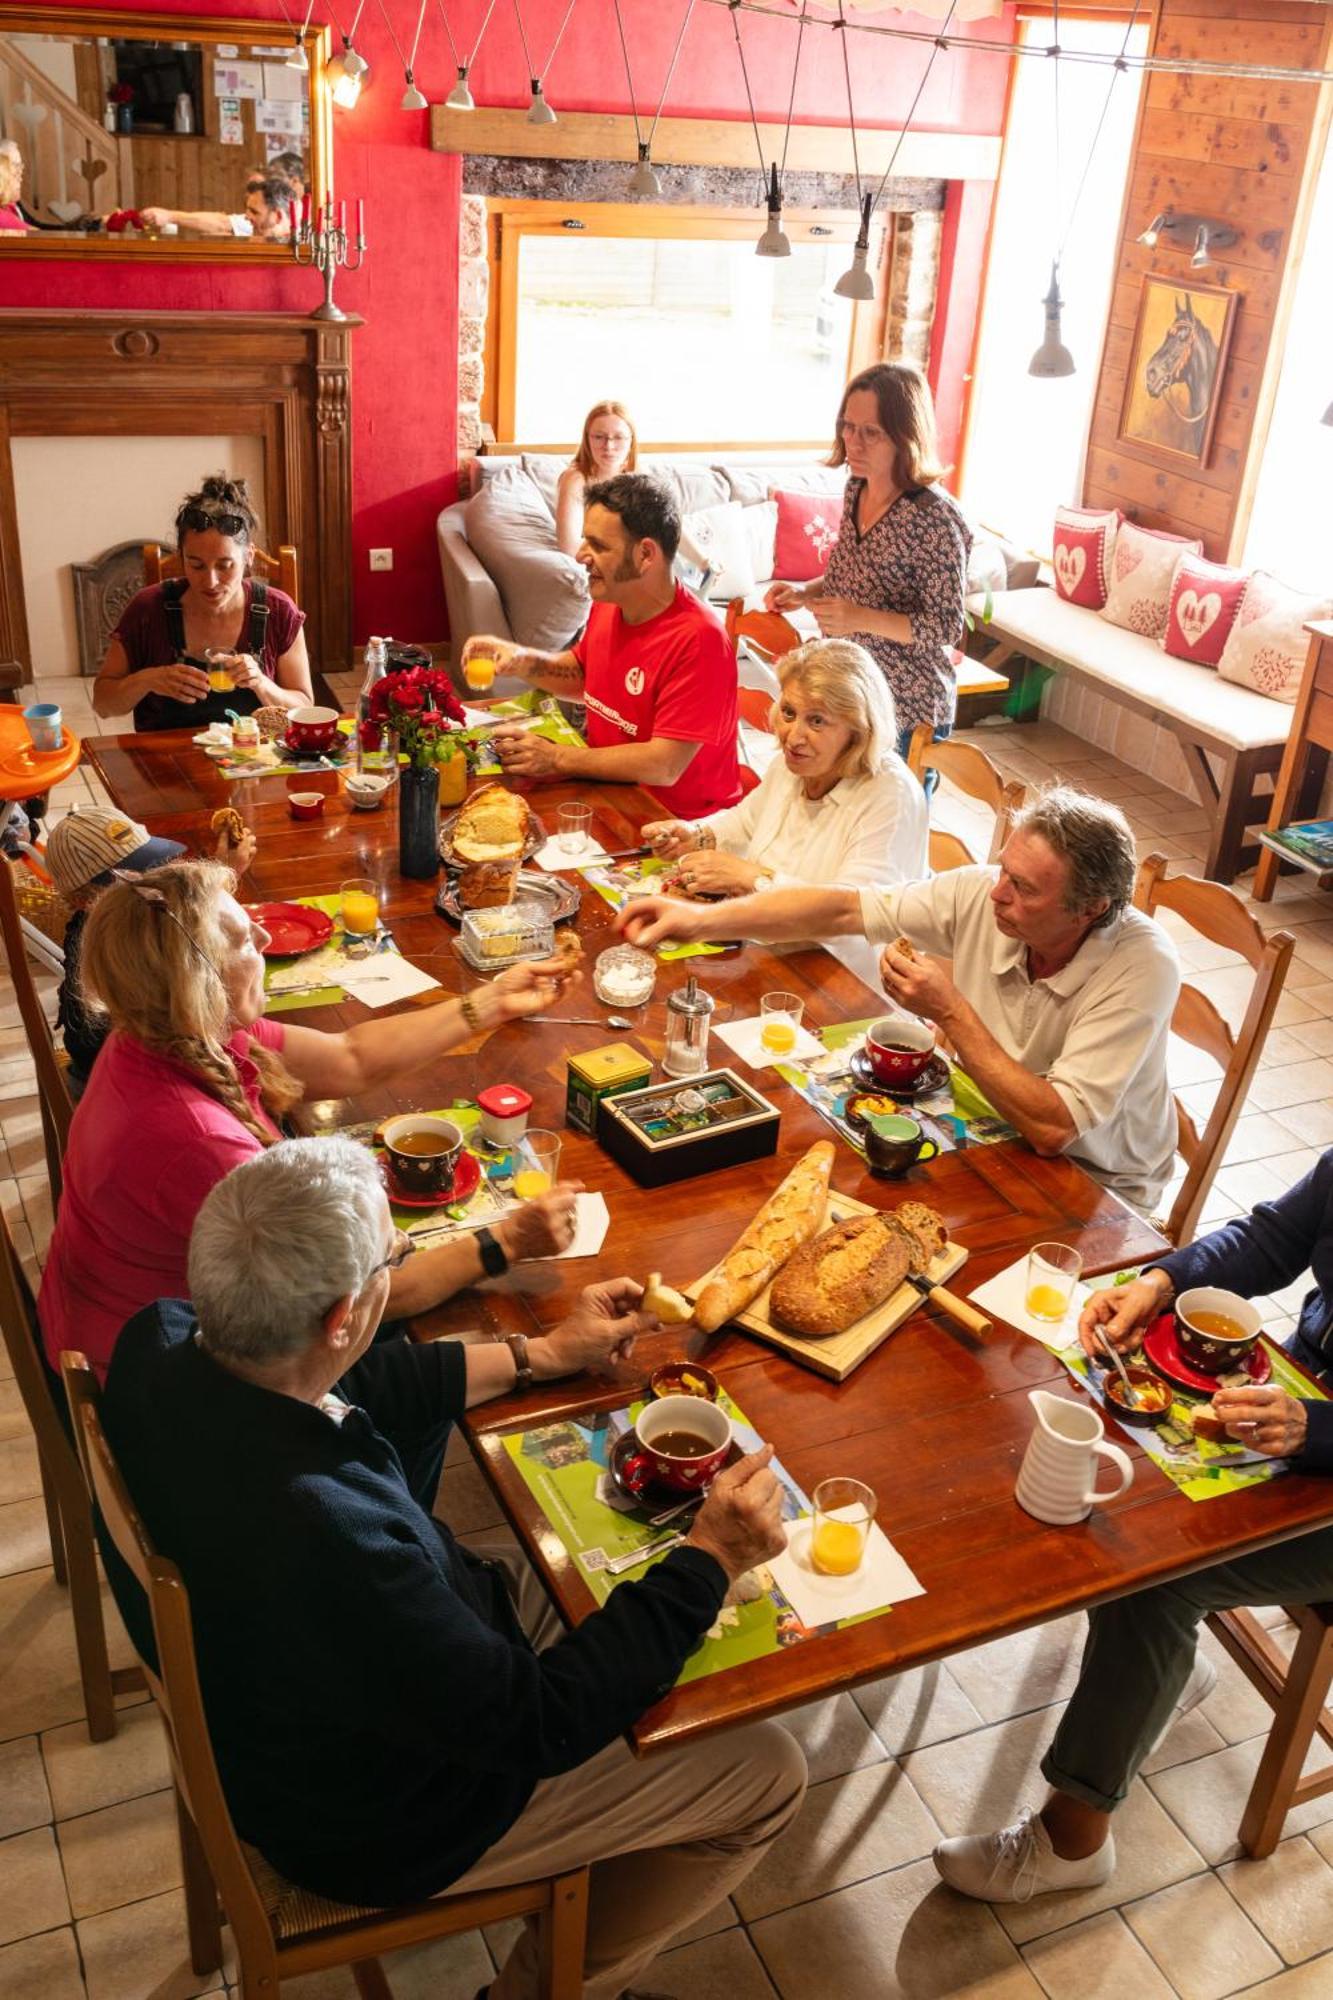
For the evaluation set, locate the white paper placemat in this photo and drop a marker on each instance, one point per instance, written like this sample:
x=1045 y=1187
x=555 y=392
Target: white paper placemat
x=592 y=1219
x=553 y=857
x=382 y=978
x=1003 y=1298
x=883 y=1578
x=743 y=1038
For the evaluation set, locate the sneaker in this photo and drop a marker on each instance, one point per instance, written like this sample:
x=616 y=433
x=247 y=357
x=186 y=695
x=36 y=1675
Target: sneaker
x=1202 y=1681
x=1017 y=1863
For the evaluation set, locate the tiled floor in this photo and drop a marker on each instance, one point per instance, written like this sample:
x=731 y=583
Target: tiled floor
x=90 y=1902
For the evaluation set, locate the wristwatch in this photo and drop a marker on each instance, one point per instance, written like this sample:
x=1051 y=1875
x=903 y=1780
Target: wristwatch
x=763 y=882
x=517 y=1343
x=493 y=1260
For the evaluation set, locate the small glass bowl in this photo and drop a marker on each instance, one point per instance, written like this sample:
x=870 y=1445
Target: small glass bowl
x=624 y=976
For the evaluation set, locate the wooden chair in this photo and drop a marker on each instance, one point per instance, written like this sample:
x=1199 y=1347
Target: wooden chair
x=767 y=633
x=53 y=1096
x=973 y=773
x=1219 y=915
x=281 y=1931
x=755 y=706
x=279 y=569
x=1296 y=1692
x=69 y=1517
x=945 y=851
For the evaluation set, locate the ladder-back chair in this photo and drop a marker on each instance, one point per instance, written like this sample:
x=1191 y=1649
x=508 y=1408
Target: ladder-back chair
x=53 y=1096
x=281 y=1931
x=1220 y=915
x=972 y=771
x=279 y=569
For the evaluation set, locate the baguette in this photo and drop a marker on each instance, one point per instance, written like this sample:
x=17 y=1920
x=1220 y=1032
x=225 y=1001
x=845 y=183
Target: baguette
x=843 y=1275
x=789 y=1218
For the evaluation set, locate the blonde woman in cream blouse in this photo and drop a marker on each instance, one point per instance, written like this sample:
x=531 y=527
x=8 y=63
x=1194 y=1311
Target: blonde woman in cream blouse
x=837 y=807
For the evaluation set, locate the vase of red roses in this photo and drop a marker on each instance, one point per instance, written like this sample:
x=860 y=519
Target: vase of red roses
x=419 y=707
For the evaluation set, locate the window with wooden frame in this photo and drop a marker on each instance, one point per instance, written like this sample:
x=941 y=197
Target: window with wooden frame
x=669 y=311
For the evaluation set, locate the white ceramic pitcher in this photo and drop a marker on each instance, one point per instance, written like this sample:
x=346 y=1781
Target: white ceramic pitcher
x=1056 y=1481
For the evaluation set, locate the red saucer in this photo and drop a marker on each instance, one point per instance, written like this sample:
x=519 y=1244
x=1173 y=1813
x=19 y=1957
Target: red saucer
x=1163 y=1350
x=467 y=1179
x=292 y=927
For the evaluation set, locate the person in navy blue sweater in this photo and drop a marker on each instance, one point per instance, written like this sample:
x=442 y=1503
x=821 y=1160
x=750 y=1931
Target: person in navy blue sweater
x=1140 y=1669
x=394 y=1714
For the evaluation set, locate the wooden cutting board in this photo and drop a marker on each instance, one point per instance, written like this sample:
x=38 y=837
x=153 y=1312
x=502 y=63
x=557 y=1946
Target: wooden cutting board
x=837 y=1356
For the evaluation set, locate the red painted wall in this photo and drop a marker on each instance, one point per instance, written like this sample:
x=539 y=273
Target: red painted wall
x=404 y=367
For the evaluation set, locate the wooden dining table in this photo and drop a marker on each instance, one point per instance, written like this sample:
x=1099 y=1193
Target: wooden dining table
x=935 y=1421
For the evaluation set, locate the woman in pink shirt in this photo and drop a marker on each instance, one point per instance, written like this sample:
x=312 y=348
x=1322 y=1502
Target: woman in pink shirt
x=193 y=1080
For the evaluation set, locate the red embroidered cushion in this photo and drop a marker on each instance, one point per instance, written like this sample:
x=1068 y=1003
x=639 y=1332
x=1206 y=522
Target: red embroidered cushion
x=1142 y=567
x=807 y=529
x=1083 y=541
x=1205 y=598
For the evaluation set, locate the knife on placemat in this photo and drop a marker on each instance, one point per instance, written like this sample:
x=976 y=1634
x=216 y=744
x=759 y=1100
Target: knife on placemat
x=627 y=853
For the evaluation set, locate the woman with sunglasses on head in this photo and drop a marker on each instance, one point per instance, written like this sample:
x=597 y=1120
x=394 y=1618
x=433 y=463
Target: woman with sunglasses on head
x=192 y=1080
x=248 y=633
x=897 y=576
x=608 y=446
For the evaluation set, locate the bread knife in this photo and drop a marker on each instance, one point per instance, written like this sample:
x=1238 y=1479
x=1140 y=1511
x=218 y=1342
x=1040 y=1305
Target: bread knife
x=950 y=1304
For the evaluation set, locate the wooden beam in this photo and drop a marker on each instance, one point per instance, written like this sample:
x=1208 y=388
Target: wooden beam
x=714 y=142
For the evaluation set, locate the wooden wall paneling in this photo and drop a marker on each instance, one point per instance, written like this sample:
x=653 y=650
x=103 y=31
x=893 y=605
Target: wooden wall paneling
x=1239 y=149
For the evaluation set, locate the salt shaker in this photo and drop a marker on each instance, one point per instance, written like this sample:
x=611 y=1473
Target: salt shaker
x=688 y=1012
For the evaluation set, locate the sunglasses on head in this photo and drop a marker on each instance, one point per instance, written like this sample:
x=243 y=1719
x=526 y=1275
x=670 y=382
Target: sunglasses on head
x=200 y=519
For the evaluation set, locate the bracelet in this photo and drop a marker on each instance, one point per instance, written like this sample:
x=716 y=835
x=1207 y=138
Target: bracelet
x=471 y=1017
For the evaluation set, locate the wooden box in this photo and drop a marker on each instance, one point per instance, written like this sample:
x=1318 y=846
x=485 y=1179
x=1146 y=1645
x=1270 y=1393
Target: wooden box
x=687 y=1126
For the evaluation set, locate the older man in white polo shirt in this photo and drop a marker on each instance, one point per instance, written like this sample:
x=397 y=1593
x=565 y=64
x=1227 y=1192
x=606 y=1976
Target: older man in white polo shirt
x=1059 y=1000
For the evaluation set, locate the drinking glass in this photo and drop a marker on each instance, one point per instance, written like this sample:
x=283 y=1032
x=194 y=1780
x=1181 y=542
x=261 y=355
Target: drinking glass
x=538 y=1164
x=843 y=1512
x=479 y=672
x=359 y=908
x=573 y=823
x=781 y=1016
x=1053 y=1271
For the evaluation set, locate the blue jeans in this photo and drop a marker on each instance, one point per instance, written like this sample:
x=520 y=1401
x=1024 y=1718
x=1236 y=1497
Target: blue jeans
x=905 y=736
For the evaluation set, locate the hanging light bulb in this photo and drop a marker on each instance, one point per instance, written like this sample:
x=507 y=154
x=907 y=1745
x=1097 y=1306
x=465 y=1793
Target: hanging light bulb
x=1154 y=229
x=460 y=98
x=856 y=282
x=539 y=111
x=1202 y=249
x=347 y=89
x=773 y=242
x=298 y=59
x=644 y=184
x=412 y=98
x=354 y=64
x=1052 y=357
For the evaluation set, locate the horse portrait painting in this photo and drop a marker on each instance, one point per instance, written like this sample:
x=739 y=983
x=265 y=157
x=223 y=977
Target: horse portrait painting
x=1180 y=346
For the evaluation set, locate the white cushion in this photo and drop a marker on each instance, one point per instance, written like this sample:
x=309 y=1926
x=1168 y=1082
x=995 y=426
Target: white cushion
x=1043 y=622
x=545 y=593
x=544 y=470
x=761 y=533
x=1267 y=645
x=751 y=483
x=692 y=487
x=1142 y=565
x=715 y=539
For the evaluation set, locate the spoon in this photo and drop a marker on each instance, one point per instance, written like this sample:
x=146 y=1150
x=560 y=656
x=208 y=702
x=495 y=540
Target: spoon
x=581 y=1020
x=1131 y=1393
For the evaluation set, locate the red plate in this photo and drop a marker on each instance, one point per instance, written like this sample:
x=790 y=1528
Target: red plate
x=467 y=1179
x=291 y=927
x=1163 y=1350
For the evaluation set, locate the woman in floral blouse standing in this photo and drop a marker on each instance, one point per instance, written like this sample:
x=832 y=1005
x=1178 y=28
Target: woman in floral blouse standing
x=896 y=579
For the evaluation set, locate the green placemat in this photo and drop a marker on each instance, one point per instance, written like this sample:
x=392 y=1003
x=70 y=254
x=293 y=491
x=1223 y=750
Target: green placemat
x=617 y=881
x=329 y=994
x=954 y=1116
x=564 y=1467
x=551 y=722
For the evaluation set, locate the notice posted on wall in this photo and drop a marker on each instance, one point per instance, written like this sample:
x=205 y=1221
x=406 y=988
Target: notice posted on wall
x=238 y=79
x=231 y=131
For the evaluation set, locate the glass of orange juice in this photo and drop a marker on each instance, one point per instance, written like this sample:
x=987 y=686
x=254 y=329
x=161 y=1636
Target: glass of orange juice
x=479 y=672
x=843 y=1512
x=780 y=1015
x=538 y=1164
x=359 y=908
x=1053 y=1271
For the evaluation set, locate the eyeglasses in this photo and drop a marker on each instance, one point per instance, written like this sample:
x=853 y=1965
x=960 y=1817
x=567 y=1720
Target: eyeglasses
x=867 y=433
x=198 y=520
x=403 y=1246
x=608 y=437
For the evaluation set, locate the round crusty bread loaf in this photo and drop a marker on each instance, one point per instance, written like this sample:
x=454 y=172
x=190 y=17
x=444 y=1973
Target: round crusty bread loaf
x=844 y=1274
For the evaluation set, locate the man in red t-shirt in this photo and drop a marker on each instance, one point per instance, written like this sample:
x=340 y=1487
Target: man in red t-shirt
x=654 y=667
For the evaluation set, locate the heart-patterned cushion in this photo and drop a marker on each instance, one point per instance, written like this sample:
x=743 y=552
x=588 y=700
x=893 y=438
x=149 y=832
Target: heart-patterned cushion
x=1205 y=598
x=1267 y=645
x=1145 y=564
x=1081 y=558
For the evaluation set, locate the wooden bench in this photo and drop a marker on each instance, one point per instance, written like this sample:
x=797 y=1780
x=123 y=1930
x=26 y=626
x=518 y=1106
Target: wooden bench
x=1232 y=737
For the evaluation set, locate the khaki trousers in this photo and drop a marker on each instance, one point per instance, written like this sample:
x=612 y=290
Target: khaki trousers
x=666 y=1837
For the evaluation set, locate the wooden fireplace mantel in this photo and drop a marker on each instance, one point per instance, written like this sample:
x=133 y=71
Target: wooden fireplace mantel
x=278 y=377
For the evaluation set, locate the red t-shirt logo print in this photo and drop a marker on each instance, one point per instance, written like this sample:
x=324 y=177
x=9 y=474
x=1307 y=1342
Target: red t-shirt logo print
x=634 y=681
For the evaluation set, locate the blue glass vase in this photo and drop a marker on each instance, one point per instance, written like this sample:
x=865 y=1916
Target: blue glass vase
x=419 y=821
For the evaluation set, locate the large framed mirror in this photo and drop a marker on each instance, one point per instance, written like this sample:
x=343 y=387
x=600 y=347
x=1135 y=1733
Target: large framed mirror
x=156 y=135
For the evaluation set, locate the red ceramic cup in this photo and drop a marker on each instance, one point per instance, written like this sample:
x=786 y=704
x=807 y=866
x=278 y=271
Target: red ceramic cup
x=678 y=1416
x=313 y=729
x=899 y=1049
x=305 y=805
